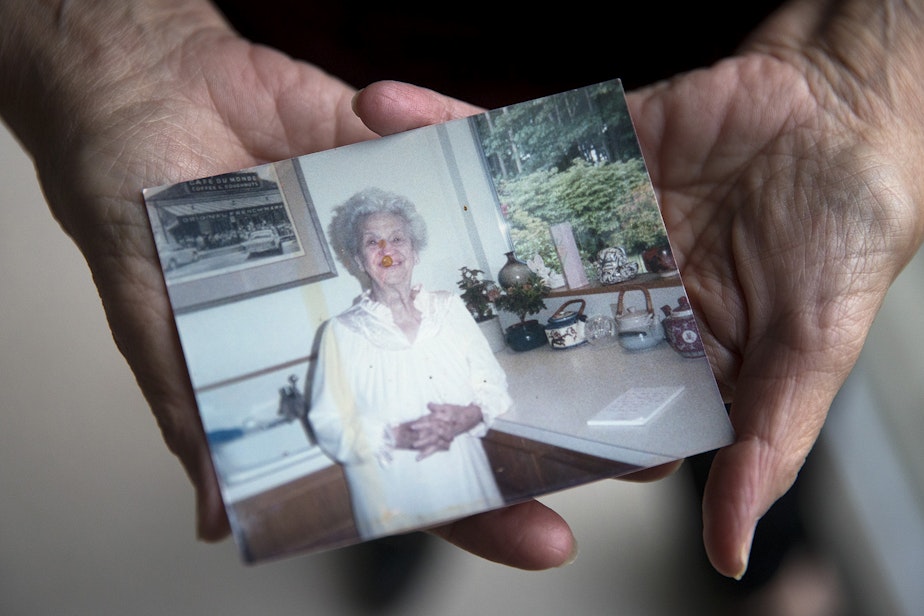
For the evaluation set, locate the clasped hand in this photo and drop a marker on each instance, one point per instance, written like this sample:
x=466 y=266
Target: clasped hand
x=436 y=430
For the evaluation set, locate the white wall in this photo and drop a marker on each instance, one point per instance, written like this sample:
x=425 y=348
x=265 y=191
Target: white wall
x=438 y=170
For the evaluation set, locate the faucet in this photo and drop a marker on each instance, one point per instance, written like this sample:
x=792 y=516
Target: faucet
x=291 y=401
x=293 y=406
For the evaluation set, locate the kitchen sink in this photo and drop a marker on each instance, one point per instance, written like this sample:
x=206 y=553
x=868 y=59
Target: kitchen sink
x=267 y=457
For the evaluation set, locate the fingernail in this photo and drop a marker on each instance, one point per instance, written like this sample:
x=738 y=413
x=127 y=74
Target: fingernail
x=744 y=557
x=353 y=100
x=573 y=556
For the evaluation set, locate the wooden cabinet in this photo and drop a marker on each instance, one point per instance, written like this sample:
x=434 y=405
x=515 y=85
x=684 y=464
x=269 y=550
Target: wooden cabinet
x=300 y=515
x=525 y=468
x=314 y=511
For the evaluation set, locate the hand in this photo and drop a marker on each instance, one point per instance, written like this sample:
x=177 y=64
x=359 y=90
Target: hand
x=787 y=177
x=445 y=422
x=166 y=96
x=435 y=431
x=148 y=93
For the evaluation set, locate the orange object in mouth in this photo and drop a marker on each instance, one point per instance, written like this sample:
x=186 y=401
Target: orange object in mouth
x=387 y=261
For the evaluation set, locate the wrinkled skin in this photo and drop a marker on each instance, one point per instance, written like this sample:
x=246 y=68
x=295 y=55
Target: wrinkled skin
x=785 y=175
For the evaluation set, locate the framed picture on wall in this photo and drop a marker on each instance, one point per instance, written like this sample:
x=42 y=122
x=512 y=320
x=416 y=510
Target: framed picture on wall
x=235 y=235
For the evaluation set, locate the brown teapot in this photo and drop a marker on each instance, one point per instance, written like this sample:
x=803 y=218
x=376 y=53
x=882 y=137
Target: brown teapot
x=680 y=329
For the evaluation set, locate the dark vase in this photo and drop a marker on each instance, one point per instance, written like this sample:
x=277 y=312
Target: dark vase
x=526 y=336
x=659 y=260
x=513 y=273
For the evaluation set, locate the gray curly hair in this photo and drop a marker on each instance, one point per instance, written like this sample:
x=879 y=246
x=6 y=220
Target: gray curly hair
x=345 y=226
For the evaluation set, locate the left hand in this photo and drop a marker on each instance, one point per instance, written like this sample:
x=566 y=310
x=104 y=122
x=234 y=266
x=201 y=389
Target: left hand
x=789 y=183
x=143 y=96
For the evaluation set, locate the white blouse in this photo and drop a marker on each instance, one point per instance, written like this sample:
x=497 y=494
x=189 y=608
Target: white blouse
x=369 y=376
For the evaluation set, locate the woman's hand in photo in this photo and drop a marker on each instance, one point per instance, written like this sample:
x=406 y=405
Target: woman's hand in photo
x=436 y=430
x=444 y=423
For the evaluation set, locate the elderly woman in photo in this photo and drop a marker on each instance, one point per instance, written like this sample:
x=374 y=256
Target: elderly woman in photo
x=405 y=384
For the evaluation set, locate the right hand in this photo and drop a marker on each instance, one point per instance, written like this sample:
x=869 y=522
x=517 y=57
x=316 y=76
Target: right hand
x=141 y=94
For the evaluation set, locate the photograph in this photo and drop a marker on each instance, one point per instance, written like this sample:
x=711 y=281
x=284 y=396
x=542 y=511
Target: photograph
x=471 y=315
x=221 y=237
x=463 y=310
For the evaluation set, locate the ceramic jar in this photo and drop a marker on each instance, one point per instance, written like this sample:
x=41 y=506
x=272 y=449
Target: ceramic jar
x=493 y=333
x=659 y=260
x=525 y=336
x=514 y=272
x=613 y=266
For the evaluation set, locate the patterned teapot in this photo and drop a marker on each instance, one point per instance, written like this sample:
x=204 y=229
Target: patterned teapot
x=680 y=329
x=565 y=328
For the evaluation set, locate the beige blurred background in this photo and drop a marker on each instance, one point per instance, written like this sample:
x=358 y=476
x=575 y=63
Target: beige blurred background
x=96 y=516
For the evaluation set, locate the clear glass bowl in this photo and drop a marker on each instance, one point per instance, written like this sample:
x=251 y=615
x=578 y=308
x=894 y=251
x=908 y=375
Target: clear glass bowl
x=600 y=330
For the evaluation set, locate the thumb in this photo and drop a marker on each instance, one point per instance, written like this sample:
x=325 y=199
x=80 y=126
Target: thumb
x=389 y=107
x=781 y=401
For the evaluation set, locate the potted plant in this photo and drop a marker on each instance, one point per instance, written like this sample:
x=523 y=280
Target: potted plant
x=525 y=299
x=479 y=295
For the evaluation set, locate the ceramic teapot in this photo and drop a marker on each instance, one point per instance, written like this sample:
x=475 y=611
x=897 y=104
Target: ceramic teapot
x=613 y=266
x=565 y=328
x=636 y=329
x=680 y=329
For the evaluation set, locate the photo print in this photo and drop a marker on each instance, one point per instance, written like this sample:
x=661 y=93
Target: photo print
x=462 y=317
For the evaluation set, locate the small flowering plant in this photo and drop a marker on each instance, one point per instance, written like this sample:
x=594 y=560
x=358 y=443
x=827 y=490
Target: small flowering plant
x=478 y=294
x=524 y=299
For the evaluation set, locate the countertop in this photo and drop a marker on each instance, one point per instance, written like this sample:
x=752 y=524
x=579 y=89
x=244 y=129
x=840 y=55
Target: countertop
x=557 y=390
